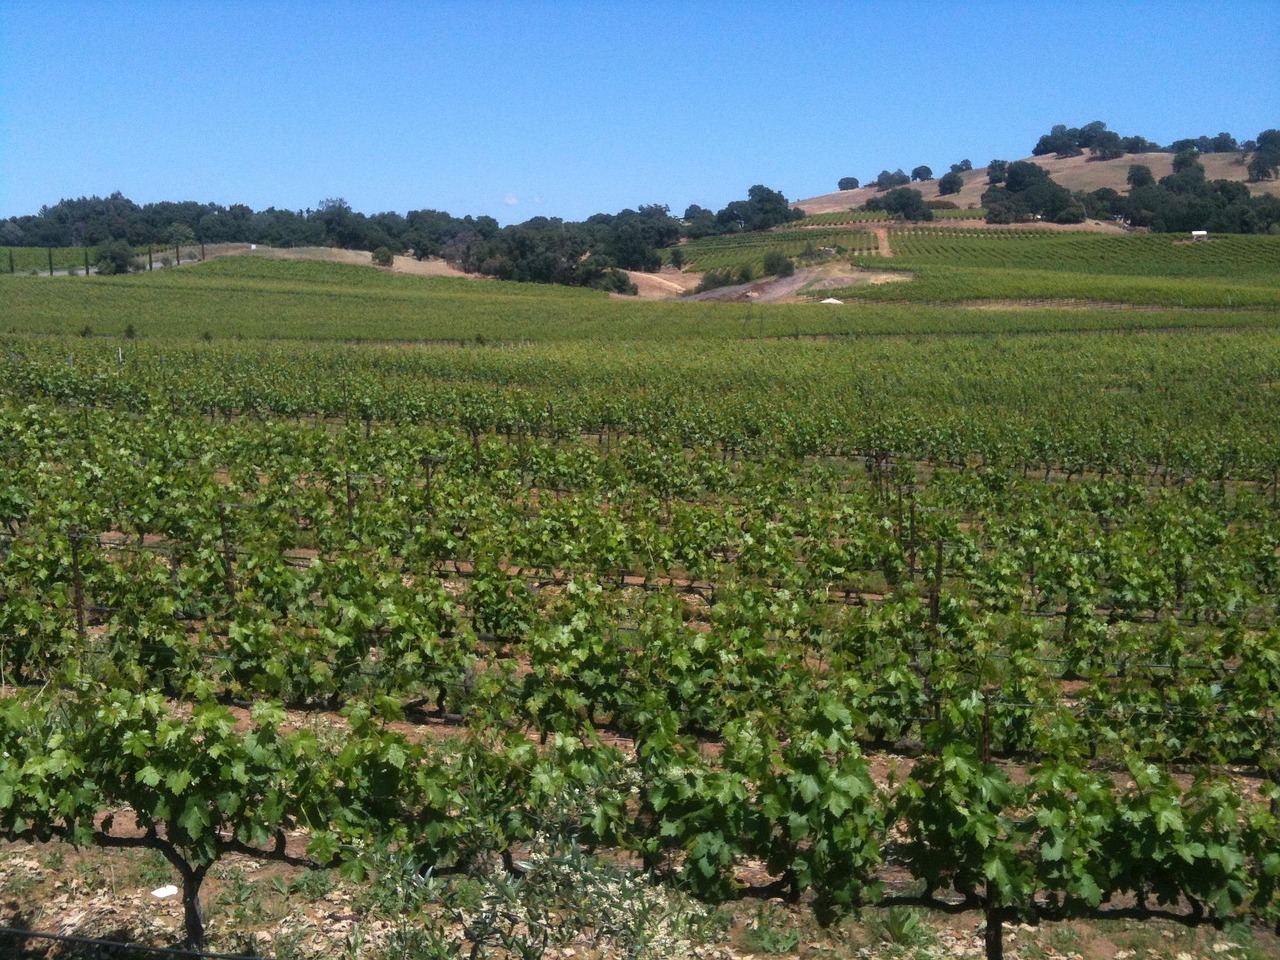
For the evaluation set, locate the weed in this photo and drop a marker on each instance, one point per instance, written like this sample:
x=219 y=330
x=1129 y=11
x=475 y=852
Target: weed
x=154 y=870
x=312 y=884
x=240 y=896
x=764 y=934
x=901 y=926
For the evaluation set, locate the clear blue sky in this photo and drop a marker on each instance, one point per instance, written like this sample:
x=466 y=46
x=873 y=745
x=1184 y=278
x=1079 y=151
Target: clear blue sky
x=567 y=109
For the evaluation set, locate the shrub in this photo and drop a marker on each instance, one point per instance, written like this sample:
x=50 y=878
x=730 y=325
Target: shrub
x=114 y=258
x=778 y=264
x=714 y=279
x=382 y=257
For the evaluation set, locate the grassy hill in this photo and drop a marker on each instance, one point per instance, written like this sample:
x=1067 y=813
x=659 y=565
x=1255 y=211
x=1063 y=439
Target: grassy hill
x=1074 y=173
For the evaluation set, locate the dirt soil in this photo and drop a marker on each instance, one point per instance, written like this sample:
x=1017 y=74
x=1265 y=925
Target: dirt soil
x=422 y=268
x=664 y=285
x=802 y=286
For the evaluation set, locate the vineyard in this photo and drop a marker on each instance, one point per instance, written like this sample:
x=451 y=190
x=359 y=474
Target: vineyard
x=851 y=217
x=977 y=614
x=40 y=260
x=733 y=251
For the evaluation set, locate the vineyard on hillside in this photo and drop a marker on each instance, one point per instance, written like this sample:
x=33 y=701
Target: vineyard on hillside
x=974 y=622
x=842 y=218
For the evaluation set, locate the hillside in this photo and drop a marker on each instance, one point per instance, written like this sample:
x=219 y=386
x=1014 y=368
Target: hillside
x=1074 y=173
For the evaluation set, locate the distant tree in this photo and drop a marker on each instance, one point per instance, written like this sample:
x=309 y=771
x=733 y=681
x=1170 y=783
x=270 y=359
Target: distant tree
x=115 y=257
x=1139 y=145
x=1224 y=143
x=1107 y=146
x=1088 y=135
x=901 y=202
x=920 y=174
x=1185 y=158
x=383 y=257
x=888 y=180
x=1103 y=202
x=763 y=208
x=848 y=183
x=1265 y=163
x=964 y=166
x=1001 y=212
x=180 y=234
x=1059 y=141
x=1140 y=175
x=1073 y=212
x=1027 y=192
x=1260 y=168
x=677 y=258
x=996 y=170
x=1022 y=174
x=950 y=183
x=698 y=222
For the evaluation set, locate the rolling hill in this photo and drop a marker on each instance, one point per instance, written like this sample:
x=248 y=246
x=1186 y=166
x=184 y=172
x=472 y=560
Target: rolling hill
x=1074 y=173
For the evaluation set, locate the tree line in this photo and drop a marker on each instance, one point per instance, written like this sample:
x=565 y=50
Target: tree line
x=590 y=253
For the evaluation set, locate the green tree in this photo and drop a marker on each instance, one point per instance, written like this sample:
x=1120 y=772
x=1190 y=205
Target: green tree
x=887 y=179
x=383 y=257
x=179 y=234
x=901 y=202
x=848 y=183
x=1265 y=163
x=950 y=183
x=1140 y=175
x=921 y=173
x=115 y=257
x=964 y=166
x=1107 y=146
x=1185 y=160
x=996 y=170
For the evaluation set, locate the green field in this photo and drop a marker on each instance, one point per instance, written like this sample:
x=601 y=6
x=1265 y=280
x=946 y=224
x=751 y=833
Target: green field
x=36 y=259
x=956 y=264
x=28 y=260
x=524 y=596
x=262 y=299
x=1151 y=269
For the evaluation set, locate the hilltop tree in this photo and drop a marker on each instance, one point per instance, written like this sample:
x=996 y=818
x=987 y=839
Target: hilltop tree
x=920 y=174
x=964 y=166
x=888 y=180
x=1106 y=146
x=996 y=170
x=848 y=183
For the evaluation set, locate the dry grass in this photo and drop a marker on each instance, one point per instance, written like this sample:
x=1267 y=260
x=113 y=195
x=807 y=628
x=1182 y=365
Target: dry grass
x=1074 y=173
